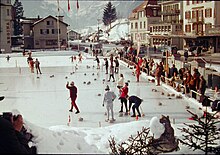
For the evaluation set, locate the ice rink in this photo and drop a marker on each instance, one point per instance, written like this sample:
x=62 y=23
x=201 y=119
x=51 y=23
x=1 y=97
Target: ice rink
x=43 y=99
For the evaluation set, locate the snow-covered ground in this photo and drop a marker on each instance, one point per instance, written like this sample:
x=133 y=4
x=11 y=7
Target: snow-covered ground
x=44 y=103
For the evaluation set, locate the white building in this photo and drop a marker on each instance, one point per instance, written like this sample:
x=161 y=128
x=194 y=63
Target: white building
x=202 y=24
x=140 y=18
x=5 y=26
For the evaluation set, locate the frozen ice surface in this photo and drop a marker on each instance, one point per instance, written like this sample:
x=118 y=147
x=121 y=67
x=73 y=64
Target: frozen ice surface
x=46 y=97
x=44 y=103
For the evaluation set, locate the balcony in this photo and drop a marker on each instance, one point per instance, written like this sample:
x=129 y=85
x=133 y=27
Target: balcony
x=170 y=12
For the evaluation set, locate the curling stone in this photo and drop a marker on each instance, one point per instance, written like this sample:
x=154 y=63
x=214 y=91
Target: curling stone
x=162 y=93
x=99 y=94
x=160 y=104
x=172 y=94
x=66 y=77
x=88 y=83
x=80 y=119
x=187 y=107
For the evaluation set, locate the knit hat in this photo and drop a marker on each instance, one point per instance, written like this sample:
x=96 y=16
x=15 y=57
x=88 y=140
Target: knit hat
x=107 y=88
x=72 y=83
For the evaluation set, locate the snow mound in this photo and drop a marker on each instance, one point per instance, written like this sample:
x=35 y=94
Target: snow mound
x=156 y=128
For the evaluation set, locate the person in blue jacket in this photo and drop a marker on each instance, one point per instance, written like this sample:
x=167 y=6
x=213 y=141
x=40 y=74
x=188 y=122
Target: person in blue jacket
x=137 y=102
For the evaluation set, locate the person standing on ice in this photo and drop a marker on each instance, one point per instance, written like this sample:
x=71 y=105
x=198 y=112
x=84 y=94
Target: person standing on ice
x=123 y=97
x=106 y=65
x=98 y=62
x=137 y=102
x=109 y=97
x=37 y=66
x=73 y=95
x=111 y=74
x=116 y=65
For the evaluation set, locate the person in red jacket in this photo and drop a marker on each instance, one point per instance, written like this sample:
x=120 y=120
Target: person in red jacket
x=73 y=95
x=123 y=97
x=138 y=72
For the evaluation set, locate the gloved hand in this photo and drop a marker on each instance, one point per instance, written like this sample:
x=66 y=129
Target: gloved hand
x=103 y=104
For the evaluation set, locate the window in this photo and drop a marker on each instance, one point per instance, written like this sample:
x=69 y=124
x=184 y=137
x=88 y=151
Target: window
x=144 y=25
x=140 y=25
x=51 y=42
x=136 y=25
x=187 y=15
x=37 y=42
x=188 y=28
x=8 y=12
x=44 y=31
x=48 y=22
x=208 y=12
x=154 y=13
x=208 y=26
x=187 y=2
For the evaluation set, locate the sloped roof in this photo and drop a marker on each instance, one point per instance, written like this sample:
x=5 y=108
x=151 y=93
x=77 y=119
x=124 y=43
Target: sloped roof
x=47 y=18
x=140 y=7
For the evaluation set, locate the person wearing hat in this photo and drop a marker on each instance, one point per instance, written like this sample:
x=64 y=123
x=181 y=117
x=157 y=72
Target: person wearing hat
x=109 y=97
x=123 y=97
x=73 y=95
x=137 y=102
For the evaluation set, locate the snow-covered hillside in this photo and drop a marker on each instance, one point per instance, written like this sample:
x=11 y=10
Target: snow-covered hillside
x=88 y=13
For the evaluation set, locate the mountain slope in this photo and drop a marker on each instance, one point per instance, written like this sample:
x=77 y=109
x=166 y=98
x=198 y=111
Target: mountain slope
x=88 y=14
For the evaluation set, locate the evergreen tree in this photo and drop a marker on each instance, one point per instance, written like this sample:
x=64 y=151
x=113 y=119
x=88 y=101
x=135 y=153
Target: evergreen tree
x=202 y=135
x=109 y=14
x=18 y=15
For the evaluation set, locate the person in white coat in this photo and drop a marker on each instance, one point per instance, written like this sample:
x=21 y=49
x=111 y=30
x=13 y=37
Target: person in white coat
x=109 y=97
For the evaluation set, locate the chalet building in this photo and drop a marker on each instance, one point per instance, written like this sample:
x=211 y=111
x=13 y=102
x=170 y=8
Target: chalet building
x=42 y=33
x=202 y=24
x=168 y=31
x=73 y=35
x=5 y=26
x=144 y=14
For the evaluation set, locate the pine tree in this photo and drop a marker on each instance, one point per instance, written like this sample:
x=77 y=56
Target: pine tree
x=18 y=13
x=202 y=135
x=109 y=14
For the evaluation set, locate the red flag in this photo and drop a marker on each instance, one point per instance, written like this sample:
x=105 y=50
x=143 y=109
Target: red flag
x=77 y=4
x=68 y=5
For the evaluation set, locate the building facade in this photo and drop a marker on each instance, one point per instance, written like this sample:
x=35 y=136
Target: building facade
x=73 y=35
x=146 y=13
x=43 y=33
x=202 y=24
x=168 y=31
x=5 y=26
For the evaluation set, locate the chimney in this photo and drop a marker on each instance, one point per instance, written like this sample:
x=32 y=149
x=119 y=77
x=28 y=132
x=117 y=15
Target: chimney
x=38 y=17
x=60 y=18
